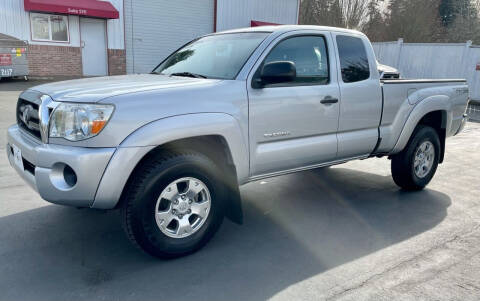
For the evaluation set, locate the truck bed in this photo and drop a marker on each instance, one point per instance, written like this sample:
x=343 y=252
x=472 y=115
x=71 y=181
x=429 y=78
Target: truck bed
x=401 y=96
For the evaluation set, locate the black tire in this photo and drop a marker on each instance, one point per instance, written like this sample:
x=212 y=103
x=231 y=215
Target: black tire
x=141 y=194
x=402 y=164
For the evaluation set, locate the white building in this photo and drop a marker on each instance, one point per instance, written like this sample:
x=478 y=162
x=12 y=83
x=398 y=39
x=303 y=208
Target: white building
x=100 y=37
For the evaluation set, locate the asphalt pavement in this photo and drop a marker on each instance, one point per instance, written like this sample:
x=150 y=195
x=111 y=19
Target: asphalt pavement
x=339 y=233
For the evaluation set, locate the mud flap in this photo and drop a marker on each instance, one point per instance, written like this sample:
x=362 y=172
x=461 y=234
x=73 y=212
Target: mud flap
x=233 y=210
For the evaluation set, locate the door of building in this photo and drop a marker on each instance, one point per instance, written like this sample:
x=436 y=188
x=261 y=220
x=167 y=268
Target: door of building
x=94 y=46
x=154 y=29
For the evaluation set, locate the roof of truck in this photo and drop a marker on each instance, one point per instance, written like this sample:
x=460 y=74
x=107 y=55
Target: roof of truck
x=288 y=28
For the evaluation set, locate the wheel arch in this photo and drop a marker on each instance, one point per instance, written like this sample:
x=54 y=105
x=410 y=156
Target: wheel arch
x=216 y=135
x=438 y=121
x=434 y=111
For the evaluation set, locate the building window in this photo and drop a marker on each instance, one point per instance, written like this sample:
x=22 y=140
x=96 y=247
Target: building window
x=46 y=27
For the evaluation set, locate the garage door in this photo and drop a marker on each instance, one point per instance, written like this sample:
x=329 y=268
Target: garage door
x=153 y=29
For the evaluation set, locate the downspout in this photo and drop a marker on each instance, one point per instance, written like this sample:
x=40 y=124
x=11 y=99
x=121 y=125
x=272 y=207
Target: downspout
x=214 y=15
x=298 y=12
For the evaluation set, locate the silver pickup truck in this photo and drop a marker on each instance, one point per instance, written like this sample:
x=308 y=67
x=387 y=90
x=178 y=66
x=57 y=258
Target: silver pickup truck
x=171 y=148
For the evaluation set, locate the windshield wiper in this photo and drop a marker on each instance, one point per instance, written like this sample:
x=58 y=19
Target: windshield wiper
x=187 y=74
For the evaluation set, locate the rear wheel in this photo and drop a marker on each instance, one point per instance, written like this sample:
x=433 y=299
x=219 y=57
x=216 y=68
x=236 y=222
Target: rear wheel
x=173 y=206
x=415 y=166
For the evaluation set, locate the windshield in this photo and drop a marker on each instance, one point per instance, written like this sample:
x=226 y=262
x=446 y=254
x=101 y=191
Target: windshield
x=217 y=56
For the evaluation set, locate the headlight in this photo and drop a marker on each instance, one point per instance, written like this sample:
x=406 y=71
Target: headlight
x=76 y=122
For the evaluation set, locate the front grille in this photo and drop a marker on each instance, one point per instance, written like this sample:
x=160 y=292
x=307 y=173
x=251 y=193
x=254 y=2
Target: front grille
x=28 y=117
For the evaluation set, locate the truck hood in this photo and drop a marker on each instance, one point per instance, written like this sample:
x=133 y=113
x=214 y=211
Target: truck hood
x=91 y=90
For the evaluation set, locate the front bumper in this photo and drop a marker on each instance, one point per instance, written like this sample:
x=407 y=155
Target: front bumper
x=45 y=168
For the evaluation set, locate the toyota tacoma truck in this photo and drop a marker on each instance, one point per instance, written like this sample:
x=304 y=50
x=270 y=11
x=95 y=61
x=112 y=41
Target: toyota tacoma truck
x=171 y=148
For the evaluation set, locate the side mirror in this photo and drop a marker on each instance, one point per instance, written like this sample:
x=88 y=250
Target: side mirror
x=276 y=73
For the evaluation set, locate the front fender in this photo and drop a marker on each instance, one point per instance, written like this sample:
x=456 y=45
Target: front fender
x=429 y=104
x=162 y=131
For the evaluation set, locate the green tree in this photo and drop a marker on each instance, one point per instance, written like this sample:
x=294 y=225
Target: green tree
x=450 y=10
x=413 y=20
x=388 y=20
x=465 y=23
x=339 y=13
x=447 y=11
x=374 y=28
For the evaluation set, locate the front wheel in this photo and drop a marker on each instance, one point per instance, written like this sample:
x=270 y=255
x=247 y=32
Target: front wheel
x=173 y=206
x=414 y=167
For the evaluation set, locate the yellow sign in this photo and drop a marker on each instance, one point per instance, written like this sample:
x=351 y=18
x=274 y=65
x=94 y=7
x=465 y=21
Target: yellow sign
x=19 y=51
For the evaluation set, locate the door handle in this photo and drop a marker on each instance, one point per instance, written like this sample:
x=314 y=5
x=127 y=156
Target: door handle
x=329 y=100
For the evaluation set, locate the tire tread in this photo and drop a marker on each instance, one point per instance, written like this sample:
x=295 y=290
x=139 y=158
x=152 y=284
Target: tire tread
x=401 y=162
x=134 y=188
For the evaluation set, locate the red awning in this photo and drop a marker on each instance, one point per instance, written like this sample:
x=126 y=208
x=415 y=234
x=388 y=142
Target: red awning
x=90 y=8
x=261 y=23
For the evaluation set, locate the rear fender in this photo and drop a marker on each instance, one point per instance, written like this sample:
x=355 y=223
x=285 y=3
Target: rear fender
x=429 y=104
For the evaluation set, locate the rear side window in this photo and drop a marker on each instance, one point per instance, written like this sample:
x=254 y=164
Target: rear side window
x=353 y=59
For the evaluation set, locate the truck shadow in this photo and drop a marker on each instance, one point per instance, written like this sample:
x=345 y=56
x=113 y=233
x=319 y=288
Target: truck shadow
x=296 y=226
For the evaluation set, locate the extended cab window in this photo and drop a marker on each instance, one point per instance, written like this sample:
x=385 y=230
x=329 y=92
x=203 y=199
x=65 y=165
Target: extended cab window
x=353 y=59
x=308 y=53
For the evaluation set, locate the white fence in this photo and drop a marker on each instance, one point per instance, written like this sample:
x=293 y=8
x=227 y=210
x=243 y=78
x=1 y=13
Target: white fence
x=433 y=60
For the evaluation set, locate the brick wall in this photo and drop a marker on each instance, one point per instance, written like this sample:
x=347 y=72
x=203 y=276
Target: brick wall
x=46 y=60
x=117 y=64
x=54 y=61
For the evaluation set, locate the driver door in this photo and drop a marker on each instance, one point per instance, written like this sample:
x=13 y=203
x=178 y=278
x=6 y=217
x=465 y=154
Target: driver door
x=291 y=126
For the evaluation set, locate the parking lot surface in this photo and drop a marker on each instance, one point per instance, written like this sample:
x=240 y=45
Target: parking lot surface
x=340 y=233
